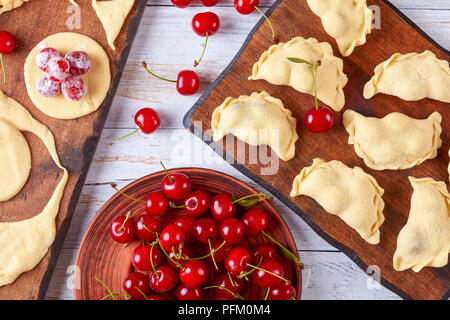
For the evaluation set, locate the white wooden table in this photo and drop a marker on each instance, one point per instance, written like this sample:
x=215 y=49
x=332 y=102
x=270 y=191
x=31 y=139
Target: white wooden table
x=166 y=40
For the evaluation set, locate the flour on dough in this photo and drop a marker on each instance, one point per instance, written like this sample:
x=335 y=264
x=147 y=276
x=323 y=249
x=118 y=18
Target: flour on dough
x=7 y=5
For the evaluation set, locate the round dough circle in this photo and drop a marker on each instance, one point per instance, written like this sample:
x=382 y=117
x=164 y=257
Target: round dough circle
x=97 y=80
x=16 y=158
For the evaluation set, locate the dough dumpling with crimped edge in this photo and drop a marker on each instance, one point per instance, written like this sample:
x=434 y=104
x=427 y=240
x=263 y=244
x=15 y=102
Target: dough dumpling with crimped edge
x=395 y=141
x=349 y=193
x=258 y=119
x=274 y=67
x=425 y=239
x=411 y=77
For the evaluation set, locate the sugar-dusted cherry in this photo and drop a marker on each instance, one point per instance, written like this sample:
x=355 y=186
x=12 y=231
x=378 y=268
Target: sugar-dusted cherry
x=146 y=257
x=136 y=285
x=47 y=88
x=122 y=229
x=270 y=273
x=194 y=273
x=232 y=230
x=181 y=3
x=185 y=292
x=146 y=227
x=283 y=291
x=79 y=61
x=156 y=204
x=163 y=279
x=187 y=81
x=172 y=238
x=205 y=24
x=44 y=56
x=58 y=69
x=255 y=221
x=7 y=45
x=73 y=88
x=187 y=223
x=248 y=6
x=237 y=261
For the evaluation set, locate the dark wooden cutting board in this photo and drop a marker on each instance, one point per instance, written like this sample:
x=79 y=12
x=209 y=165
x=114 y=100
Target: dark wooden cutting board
x=397 y=34
x=76 y=140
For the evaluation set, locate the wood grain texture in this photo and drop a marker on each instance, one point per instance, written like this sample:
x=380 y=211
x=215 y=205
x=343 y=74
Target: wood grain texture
x=293 y=18
x=97 y=250
x=76 y=140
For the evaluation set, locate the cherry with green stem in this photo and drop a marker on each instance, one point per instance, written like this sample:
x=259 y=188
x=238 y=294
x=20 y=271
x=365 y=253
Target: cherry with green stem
x=248 y=6
x=205 y=24
x=187 y=81
x=147 y=120
x=320 y=118
x=7 y=45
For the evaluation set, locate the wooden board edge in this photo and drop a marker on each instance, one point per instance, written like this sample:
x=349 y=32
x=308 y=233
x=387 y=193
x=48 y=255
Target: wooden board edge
x=241 y=168
x=89 y=149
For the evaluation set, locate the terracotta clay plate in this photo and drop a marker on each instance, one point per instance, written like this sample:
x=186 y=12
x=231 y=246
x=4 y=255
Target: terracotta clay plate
x=99 y=256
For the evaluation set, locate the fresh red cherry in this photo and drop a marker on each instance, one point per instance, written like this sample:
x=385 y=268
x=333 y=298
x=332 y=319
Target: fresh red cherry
x=206 y=230
x=223 y=281
x=181 y=261
x=79 y=61
x=44 y=56
x=164 y=279
x=205 y=24
x=181 y=3
x=209 y=3
x=283 y=292
x=232 y=230
x=122 y=229
x=156 y=204
x=136 y=285
x=269 y=274
x=221 y=250
x=319 y=120
x=154 y=296
x=147 y=120
x=255 y=221
x=188 y=82
x=264 y=251
x=145 y=258
x=146 y=227
x=237 y=260
x=194 y=273
x=197 y=203
x=185 y=292
x=245 y=6
x=7 y=45
x=187 y=223
x=172 y=237
x=176 y=186
x=222 y=207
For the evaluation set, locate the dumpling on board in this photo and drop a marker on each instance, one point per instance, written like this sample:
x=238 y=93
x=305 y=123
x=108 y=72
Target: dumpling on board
x=411 y=77
x=425 y=239
x=258 y=119
x=348 y=21
x=395 y=141
x=350 y=193
x=274 y=67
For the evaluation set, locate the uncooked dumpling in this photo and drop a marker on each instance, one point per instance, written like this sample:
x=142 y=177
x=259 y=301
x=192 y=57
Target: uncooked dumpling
x=274 y=67
x=411 y=77
x=112 y=14
x=6 y=5
x=258 y=119
x=425 y=239
x=395 y=141
x=349 y=193
x=348 y=21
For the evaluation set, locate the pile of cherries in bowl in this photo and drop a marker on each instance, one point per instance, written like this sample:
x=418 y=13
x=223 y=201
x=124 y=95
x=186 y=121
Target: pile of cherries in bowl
x=195 y=247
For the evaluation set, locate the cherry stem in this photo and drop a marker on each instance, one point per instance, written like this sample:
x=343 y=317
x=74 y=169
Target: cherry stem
x=284 y=249
x=209 y=254
x=261 y=195
x=178 y=257
x=106 y=287
x=244 y=275
x=267 y=19
x=127 y=135
x=197 y=62
x=274 y=274
x=234 y=294
x=231 y=280
x=155 y=75
x=267 y=293
x=127 y=216
x=140 y=291
x=167 y=255
x=151 y=260
x=127 y=296
x=3 y=68
x=114 y=186
x=167 y=172
x=173 y=205
x=314 y=67
x=212 y=255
